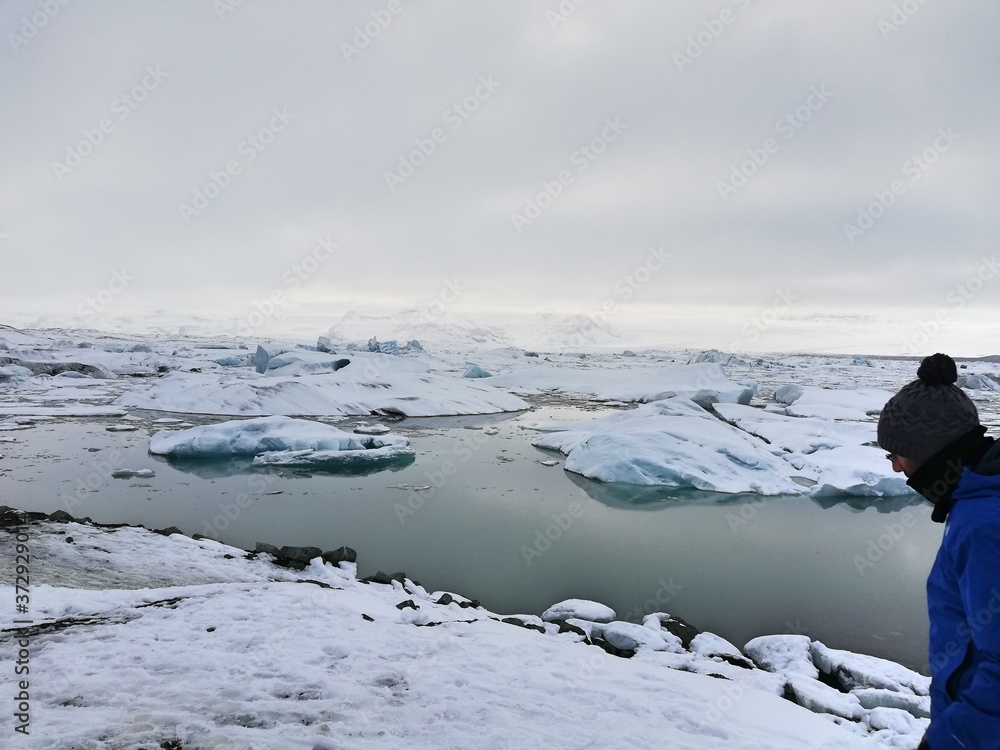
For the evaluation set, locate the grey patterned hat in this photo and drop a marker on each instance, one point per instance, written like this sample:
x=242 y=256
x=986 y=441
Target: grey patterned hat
x=928 y=414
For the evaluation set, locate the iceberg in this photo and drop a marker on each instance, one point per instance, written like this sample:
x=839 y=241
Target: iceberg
x=277 y=440
x=672 y=443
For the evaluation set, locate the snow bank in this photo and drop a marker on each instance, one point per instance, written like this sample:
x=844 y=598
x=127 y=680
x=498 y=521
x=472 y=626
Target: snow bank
x=278 y=441
x=244 y=653
x=672 y=443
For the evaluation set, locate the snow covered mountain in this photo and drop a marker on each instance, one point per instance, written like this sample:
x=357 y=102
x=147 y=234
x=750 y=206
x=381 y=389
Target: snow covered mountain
x=545 y=331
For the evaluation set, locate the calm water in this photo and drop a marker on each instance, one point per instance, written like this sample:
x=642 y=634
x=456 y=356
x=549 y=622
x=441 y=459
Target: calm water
x=519 y=536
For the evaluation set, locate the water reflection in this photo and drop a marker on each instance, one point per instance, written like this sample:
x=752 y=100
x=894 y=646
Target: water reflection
x=214 y=468
x=645 y=497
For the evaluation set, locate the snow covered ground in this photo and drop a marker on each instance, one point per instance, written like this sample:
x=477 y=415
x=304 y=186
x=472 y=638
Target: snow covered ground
x=141 y=640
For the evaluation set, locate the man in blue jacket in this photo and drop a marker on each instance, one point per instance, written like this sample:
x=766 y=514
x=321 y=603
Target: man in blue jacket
x=932 y=432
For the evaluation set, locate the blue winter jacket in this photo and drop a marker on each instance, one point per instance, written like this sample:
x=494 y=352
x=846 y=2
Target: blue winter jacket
x=963 y=601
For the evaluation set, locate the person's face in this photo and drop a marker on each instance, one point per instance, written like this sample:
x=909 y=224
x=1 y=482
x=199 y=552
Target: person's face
x=903 y=464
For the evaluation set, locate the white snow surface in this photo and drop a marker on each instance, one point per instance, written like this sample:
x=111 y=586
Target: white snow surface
x=345 y=392
x=582 y=609
x=704 y=383
x=276 y=440
x=149 y=639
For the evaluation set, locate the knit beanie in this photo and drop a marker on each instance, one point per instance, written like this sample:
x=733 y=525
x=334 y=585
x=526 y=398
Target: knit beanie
x=928 y=414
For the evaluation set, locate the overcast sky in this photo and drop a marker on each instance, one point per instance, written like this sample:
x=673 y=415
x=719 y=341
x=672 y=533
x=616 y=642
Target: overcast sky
x=734 y=160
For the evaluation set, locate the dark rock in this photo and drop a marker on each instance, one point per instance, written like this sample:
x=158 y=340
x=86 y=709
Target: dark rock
x=367 y=617
x=227 y=556
x=737 y=661
x=168 y=531
x=342 y=554
x=408 y=603
x=209 y=630
x=69 y=539
x=522 y=624
x=565 y=627
x=34 y=515
x=163 y=368
x=300 y=554
x=61 y=516
x=339 y=364
x=446 y=599
x=531 y=354
x=613 y=650
x=321 y=584
x=680 y=628
x=473 y=603
x=385 y=578
x=269 y=548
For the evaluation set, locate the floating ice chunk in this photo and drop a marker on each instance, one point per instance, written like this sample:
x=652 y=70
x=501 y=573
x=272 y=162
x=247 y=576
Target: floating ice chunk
x=856 y=404
x=276 y=440
x=671 y=443
x=11 y=373
x=129 y=473
x=371 y=429
x=264 y=354
x=705 y=383
x=856 y=470
x=581 y=609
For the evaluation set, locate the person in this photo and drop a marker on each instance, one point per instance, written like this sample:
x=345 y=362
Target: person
x=932 y=432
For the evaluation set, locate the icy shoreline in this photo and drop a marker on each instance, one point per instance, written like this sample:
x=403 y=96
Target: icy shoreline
x=141 y=637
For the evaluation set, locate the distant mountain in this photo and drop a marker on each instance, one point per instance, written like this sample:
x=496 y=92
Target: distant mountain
x=544 y=331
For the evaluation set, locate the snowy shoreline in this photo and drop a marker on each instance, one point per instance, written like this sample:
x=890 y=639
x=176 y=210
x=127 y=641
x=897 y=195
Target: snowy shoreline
x=141 y=637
